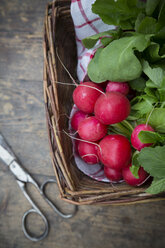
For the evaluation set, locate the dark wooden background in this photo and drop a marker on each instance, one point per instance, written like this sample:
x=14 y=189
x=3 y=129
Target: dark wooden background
x=22 y=122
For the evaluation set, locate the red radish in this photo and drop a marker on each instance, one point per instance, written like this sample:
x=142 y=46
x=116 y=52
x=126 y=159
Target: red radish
x=136 y=143
x=88 y=152
x=92 y=129
x=130 y=179
x=115 y=151
x=123 y=88
x=85 y=96
x=111 y=108
x=77 y=118
x=111 y=174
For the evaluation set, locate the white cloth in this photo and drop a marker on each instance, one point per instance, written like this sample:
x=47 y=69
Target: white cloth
x=86 y=23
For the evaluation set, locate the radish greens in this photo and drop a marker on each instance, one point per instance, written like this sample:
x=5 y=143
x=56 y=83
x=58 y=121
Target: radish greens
x=134 y=51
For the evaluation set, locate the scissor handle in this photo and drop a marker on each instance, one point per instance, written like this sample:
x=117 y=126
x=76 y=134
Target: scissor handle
x=24 y=226
x=57 y=210
x=36 y=210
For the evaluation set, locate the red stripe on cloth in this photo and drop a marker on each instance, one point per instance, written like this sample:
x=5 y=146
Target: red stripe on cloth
x=74 y=1
x=86 y=54
x=77 y=39
x=82 y=68
x=86 y=23
x=85 y=17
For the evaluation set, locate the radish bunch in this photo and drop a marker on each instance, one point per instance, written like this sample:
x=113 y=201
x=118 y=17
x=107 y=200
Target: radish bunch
x=97 y=111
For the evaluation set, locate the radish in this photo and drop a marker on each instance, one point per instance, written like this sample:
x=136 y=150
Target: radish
x=111 y=108
x=136 y=143
x=113 y=175
x=123 y=88
x=92 y=129
x=115 y=151
x=85 y=96
x=130 y=179
x=88 y=152
x=77 y=118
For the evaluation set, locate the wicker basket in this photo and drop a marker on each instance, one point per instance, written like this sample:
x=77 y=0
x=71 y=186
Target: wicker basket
x=74 y=186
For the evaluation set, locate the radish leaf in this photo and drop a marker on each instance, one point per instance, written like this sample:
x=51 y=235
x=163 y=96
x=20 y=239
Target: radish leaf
x=161 y=16
x=134 y=169
x=150 y=137
x=152 y=160
x=135 y=164
x=155 y=74
x=151 y=5
x=157 y=186
x=90 y=41
x=119 y=13
x=157 y=120
x=144 y=106
x=148 y=25
x=152 y=53
x=112 y=61
x=138 y=84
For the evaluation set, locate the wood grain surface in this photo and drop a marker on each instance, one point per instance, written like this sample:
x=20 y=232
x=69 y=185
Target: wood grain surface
x=22 y=122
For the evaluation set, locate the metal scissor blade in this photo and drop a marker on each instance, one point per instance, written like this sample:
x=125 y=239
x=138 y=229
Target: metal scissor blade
x=8 y=157
x=6 y=153
x=20 y=173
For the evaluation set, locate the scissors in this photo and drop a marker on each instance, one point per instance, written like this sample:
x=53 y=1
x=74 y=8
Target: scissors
x=22 y=178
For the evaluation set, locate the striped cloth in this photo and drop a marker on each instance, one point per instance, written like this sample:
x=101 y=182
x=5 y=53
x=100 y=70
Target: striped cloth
x=86 y=24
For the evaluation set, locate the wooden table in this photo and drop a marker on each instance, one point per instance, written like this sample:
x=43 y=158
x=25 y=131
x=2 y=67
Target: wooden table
x=22 y=122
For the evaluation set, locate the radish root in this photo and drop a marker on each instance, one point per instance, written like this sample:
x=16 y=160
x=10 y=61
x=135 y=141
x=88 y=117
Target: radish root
x=144 y=181
x=90 y=155
x=66 y=68
x=93 y=88
x=72 y=137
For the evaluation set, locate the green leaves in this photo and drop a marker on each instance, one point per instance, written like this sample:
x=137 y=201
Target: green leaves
x=161 y=16
x=157 y=120
x=148 y=25
x=134 y=169
x=126 y=52
x=156 y=75
x=135 y=164
x=153 y=53
x=153 y=160
x=152 y=99
x=135 y=52
x=157 y=186
x=121 y=12
x=138 y=84
x=150 y=137
x=111 y=63
x=142 y=105
x=93 y=68
x=162 y=95
x=90 y=41
x=151 y=5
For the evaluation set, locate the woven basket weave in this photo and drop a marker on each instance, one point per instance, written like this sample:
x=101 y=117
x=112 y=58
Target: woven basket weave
x=74 y=186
